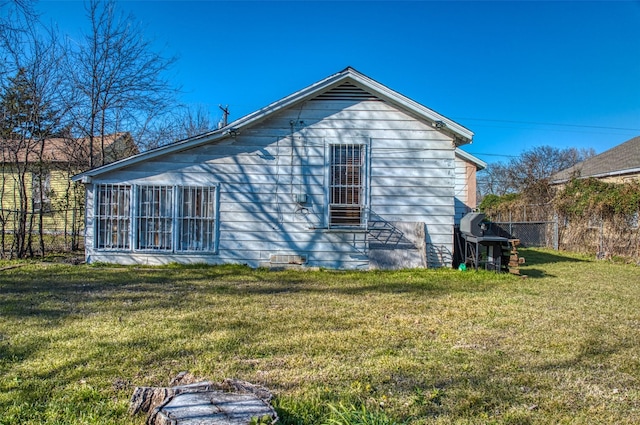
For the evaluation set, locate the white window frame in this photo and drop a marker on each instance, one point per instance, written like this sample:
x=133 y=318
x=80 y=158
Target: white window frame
x=201 y=219
x=155 y=218
x=362 y=189
x=113 y=211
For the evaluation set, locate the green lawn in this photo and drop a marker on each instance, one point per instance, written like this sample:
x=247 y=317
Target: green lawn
x=418 y=347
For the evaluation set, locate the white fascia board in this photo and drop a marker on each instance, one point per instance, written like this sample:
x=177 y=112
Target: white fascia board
x=617 y=173
x=601 y=175
x=196 y=141
x=153 y=153
x=379 y=89
x=411 y=105
x=301 y=95
x=480 y=164
x=210 y=136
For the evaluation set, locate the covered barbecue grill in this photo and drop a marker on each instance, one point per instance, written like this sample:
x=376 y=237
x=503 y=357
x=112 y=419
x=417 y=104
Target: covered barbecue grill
x=482 y=247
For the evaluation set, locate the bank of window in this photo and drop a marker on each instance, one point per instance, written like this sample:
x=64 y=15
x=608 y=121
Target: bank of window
x=165 y=218
x=346 y=185
x=113 y=216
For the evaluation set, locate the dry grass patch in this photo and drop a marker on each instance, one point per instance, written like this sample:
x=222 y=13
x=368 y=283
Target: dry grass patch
x=421 y=346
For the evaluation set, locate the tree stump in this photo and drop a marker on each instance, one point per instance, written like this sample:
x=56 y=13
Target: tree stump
x=211 y=408
x=231 y=402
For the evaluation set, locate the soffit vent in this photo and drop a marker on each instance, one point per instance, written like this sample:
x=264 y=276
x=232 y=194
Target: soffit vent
x=346 y=91
x=288 y=259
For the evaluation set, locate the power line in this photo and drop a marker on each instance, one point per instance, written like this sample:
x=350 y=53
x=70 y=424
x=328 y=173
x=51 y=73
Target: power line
x=493 y=154
x=550 y=123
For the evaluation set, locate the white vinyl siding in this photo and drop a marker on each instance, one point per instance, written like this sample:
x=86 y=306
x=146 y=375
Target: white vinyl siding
x=273 y=194
x=113 y=216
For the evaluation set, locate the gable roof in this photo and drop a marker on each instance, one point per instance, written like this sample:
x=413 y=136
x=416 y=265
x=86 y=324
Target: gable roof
x=460 y=134
x=619 y=160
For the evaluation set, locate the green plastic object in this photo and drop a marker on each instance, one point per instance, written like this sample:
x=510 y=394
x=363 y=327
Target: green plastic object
x=462 y=267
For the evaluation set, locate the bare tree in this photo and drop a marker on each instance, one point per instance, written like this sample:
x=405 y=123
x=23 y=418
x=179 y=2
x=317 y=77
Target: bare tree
x=529 y=173
x=29 y=103
x=184 y=122
x=195 y=121
x=17 y=19
x=13 y=24
x=116 y=80
x=493 y=180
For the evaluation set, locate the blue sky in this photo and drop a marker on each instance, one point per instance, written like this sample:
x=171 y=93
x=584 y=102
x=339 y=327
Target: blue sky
x=518 y=74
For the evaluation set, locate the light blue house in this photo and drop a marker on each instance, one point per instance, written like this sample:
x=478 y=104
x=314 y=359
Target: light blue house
x=345 y=173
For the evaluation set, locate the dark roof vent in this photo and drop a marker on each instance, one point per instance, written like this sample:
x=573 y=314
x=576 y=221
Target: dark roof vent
x=346 y=91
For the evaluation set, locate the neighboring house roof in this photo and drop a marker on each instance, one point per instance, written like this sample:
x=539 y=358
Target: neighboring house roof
x=460 y=134
x=67 y=150
x=617 y=161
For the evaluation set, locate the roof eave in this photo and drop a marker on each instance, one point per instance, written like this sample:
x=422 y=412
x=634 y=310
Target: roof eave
x=212 y=135
x=480 y=164
x=153 y=153
x=600 y=175
x=460 y=134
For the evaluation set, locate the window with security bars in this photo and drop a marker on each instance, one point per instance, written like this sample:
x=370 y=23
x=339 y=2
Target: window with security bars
x=154 y=219
x=164 y=218
x=197 y=218
x=346 y=203
x=113 y=216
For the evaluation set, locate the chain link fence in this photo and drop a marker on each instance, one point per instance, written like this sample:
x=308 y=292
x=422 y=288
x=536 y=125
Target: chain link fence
x=41 y=233
x=539 y=234
x=542 y=226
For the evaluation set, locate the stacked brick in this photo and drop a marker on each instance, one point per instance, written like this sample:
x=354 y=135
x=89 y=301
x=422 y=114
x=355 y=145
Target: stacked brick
x=513 y=260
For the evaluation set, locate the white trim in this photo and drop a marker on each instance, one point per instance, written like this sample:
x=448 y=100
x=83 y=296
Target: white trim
x=460 y=134
x=163 y=192
x=480 y=164
x=600 y=175
x=135 y=205
x=210 y=222
x=97 y=217
x=175 y=217
x=364 y=144
x=411 y=105
x=134 y=216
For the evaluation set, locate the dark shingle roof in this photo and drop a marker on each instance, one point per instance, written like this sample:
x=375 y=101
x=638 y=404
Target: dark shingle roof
x=621 y=159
